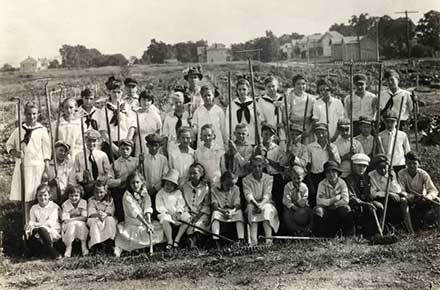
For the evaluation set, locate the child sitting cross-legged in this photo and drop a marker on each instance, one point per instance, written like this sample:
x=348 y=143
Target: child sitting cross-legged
x=74 y=218
x=134 y=232
x=170 y=205
x=226 y=205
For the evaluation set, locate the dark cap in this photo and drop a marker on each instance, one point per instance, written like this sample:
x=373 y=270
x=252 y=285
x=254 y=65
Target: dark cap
x=360 y=78
x=390 y=115
x=129 y=82
x=62 y=143
x=365 y=120
x=112 y=83
x=320 y=126
x=323 y=82
x=391 y=73
x=343 y=123
x=296 y=128
x=270 y=127
x=331 y=165
x=126 y=141
x=154 y=138
x=412 y=156
x=380 y=158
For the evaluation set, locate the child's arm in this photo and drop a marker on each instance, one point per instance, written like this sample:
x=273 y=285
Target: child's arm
x=247 y=190
x=321 y=200
x=110 y=209
x=287 y=198
x=344 y=195
x=91 y=209
x=160 y=203
x=267 y=190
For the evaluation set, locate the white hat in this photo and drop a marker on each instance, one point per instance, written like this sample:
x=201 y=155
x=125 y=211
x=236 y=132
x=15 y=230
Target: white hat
x=172 y=176
x=360 y=158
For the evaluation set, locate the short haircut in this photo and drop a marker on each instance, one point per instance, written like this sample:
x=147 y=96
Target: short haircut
x=146 y=95
x=241 y=126
x=243 y=82
x=270 y=79
x=86 y=93
x=30 y=106
x=204 y=90
x=207 y=126
x=71 y=188
x=183 y=129
x=297 y=78
x=42 y=187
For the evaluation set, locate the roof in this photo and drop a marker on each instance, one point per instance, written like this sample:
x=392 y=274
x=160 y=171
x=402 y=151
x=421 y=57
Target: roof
x=28 y=60
x=217 y=46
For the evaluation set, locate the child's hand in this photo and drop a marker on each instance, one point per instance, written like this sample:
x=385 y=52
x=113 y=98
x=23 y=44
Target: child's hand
x=102 y=215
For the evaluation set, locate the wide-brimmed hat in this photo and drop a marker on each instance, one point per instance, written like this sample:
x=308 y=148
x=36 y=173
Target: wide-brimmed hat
x=193 y=71
x=332 y=165
x=172 y=176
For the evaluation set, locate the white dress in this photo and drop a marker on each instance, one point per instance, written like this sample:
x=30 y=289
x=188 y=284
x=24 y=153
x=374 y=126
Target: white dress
x=181 y=162
x=100 y=231
x=35 y=152
x=70 y=133
x=149 y=122
x=170 y=203
x=46 y=217
x=74 y=229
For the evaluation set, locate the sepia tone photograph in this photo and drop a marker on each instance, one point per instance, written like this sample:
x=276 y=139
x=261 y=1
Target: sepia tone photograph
x=246 y=144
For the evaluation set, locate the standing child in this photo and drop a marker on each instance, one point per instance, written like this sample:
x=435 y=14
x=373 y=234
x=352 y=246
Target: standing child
x=171 y=207
x=210 y=113
x=149 y=121
x=209 y=155
x=372 y=144
x=257 y=188
x=155 y=166
x=98 y=165
x=43 y=228
x=332 y=212
x=123 y=167
x=402 y=143
x=64 y=166
x=134 y=232
x=297 y=152
x=226 y=206
x=101 y=221
x=197 y=198
x=297 y=215
x=74 y=217
x=35 y=155
x=241 y=151
x=174 y=121
x=182 y=156
x=68 y=129
x=89 y=111
x=242 y=110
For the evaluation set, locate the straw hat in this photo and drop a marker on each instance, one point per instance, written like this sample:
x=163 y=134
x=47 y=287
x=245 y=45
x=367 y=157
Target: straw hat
x=172 y=176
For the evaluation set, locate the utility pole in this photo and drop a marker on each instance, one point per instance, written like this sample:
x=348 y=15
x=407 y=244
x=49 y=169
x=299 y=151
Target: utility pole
x=408 y=42
x=377 y=40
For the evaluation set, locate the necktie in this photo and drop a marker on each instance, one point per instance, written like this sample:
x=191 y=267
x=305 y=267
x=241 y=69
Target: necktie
x=178 y=123
x=27 y=134
x=389 y=103
x=95 y=172
x=115 y=118
x=91 y=122
x=244 y=109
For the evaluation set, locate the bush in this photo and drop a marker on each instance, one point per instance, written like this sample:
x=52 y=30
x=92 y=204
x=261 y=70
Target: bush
x=11 y=224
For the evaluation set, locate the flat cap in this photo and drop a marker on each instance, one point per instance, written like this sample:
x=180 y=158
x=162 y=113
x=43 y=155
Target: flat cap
x=153 y=138
x=360 y=78
x=270 y=127
x=360 y=158
x=126 y=141
x=62 y=143
x=331 y=165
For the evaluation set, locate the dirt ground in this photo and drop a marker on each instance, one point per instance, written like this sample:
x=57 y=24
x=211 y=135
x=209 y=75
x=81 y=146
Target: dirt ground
x=412 y=263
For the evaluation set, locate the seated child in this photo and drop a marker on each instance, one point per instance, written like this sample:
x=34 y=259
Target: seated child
x=297 y=215
x=74 y=218
x=197 y=197
x=101 y=220
x=421 y=191
x=134 y=233
x=171 y=207
x=43 y=228
x=226 y=206
x=397 y=202
x=182 y=156
x=257 y=188
x=332 y=211
x=210 y=155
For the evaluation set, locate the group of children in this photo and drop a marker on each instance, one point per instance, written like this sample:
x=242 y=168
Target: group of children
x=132 y=176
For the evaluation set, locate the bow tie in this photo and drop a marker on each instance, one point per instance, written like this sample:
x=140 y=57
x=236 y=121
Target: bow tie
x=244 y=109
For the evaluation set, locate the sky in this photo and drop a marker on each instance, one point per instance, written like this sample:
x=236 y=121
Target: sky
x=39 y=28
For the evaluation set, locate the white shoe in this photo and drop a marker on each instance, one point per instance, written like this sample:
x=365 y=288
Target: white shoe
x=68 y=252
x=84 y=251
x=117 y=252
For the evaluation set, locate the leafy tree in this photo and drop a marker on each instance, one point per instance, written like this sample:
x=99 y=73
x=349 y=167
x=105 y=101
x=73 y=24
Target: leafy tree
x=428 y=30
x=157 y=52
x=54 y=63
x=7 y=67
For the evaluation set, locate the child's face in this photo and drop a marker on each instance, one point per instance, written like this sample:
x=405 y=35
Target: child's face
x=382 y=168
x=345 y=132
x=43 y=197
x=359 y=169
x=392 y=82
x=267 y=135
x=300 y=85
x=360 y=87
x=168 y=186
x=125 y=151
x=136 y=184
x=271 y=88
x=145 y=103
x=178 y=104
x=321 y=135
x=61 y=153
x=390 y=124
x=116 y=94
x=227 y=184
x=153 y=148
x=185 y=138
x=91 y=144
x=100 y=192
x=75 y=197
x=332 y=175
x=193 y=81
x=31 y=115
x=242 y=91
x=132 y=91
x=412 y=166
x=69 y=108
x=208 y=98
x=88 y=101
x=257 y=167
x=324 y=91
x=365 y=129
x=240 y=135
x=295 y=177
x=207 y=136
x=195 y=174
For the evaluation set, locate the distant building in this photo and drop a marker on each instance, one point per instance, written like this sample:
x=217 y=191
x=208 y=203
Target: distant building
x=354 y=48
x=217 y=52
x=29 y=65
x=315 y=45
x=43 y=64
x=201 y=53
